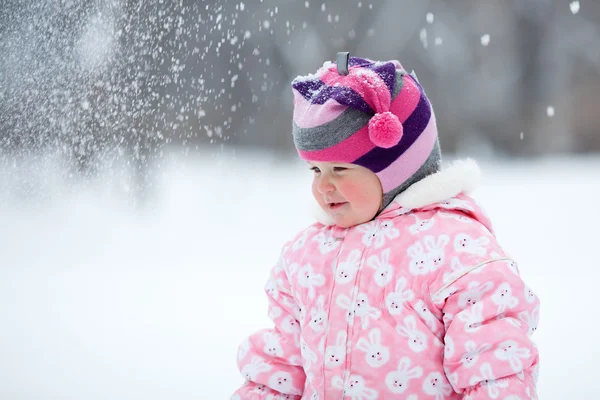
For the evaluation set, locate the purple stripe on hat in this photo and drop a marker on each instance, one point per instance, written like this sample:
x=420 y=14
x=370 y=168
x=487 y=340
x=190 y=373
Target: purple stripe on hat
x=379 y=158
x=317 y=92
x=387 y=72
x=357 y=61
x=307 y=88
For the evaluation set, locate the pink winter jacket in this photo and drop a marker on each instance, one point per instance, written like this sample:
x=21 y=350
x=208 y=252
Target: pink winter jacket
x=420 y=303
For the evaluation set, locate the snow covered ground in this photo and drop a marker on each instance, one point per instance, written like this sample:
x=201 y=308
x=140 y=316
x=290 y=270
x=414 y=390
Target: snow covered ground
x=100 y=300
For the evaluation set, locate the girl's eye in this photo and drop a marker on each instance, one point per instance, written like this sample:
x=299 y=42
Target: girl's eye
x=315 y=170
x=338 y=169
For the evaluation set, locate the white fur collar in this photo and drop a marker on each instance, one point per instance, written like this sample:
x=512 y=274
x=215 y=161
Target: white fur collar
x=462 y=176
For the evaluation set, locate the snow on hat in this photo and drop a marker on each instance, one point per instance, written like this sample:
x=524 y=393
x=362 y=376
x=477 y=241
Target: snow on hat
x=376 y=116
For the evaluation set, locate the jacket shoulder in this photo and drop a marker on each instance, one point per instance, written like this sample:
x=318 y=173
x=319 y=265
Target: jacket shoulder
x=298 y=241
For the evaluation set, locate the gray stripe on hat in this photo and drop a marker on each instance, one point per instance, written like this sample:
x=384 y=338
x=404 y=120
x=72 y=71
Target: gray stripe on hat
x=331 y=133
x=339 y=129
x=431 y=166
x=399 y=83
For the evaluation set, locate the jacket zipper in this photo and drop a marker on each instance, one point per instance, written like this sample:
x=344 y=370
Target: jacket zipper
x=352 y=317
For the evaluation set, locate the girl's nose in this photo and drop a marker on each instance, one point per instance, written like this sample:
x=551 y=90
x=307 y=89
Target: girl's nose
x=325 y=186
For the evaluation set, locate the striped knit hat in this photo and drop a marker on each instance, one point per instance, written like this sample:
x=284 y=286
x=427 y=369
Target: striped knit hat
x=377 y=116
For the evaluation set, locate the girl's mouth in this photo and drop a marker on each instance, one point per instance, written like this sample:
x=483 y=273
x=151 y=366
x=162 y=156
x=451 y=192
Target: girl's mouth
x=335 y=206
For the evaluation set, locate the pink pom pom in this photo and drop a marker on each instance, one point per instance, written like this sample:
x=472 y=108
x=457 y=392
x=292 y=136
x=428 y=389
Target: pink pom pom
x=385 y=130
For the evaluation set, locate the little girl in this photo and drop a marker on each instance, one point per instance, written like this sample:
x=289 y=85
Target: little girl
x=401 y=291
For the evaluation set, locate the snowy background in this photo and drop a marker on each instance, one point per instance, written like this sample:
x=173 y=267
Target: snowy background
x=100 y=299
x=148 y=178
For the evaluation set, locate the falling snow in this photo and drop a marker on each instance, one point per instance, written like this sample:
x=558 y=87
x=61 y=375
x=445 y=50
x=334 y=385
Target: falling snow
x=423 y=37
x=485 y=39
x=574 y=7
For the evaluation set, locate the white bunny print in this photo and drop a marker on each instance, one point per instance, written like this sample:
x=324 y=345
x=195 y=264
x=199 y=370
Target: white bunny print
x=448 y=347
x=510 y=351
x=456 y=203
x=318 y=316
x=421 y=225
x=271 y=287
x=326 y=243
x=378 y=235
x=503 y=298
x=397 y=381
x=347 y=269
x=272 y=345
x=472 y=317
x=292 y=269
x=474 y=293
x=536 y=373
x=436 y=254
x=355 y=388
x=364 y=311
x=291 y=325
x=382 y=267
x=529 y=295
x=309 y=279
x=301 y=241
x=309 y=356
x=386 y=231
x=419 y=260
x=282 y=382
x=530 y=319
x=256 y=366
x=280 y=396
x=435 y=385
x=395 y=300
x=487 y=381
x=336 y=355
x=275 y=312
x=376 y=354
x=427 y=316
x=512 y=266
x=417 y=340
x=458 y=217
x=360 y=309
x=298 y=310
x=243 y=349
x=472 y=355
x=463 y=243
x=279 y=265
x=452 y=378
x=456 y=267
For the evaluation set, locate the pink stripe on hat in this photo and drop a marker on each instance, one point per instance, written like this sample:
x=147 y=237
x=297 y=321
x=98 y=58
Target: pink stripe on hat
x=348 y=150
x=308 y=115
x=411 y=160
x=365 y=82
x=407 y=100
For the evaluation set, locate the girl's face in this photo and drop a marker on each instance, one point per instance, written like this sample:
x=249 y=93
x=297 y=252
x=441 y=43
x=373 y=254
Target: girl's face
x=349 y=193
